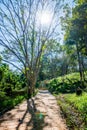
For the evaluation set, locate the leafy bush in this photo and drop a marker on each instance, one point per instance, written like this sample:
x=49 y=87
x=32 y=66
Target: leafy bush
x=65 y=84
x=2 y=96
x=9 y=103
x=8 y=89
x=19 y=92
x=12 y=87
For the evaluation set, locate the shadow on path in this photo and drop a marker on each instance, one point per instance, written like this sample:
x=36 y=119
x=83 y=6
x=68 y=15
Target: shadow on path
x=39 y=113
x=37 y=118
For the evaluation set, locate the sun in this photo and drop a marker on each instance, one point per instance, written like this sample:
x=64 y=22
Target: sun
x=45 y=18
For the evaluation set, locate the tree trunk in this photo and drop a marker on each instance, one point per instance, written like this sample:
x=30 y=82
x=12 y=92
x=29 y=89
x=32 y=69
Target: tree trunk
x=86 y=44
x=80 y=66
x=32 y=85
x=83 y=68
x=32 y=77
x=29 y=91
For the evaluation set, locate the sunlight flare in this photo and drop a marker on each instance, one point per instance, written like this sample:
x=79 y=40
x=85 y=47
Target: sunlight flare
x=45 y=18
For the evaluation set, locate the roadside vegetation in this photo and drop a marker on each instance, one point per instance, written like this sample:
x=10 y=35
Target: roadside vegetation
x=12 y=88
x=66 y=84
x=74 y=110
x=73 y=106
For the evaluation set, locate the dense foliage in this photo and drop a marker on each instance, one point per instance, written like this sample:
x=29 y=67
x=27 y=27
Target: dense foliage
x=66 y=84
x=75 y=26
x=12 y=87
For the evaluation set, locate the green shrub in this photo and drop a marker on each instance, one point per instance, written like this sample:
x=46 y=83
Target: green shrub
x=12 y=87
x=2 y=96
x=19 y=92
x=9 y=102
x=65 y=84
x=8 y=89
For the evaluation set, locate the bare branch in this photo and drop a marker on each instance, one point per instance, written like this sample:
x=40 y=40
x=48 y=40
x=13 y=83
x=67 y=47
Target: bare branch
x=12 y=64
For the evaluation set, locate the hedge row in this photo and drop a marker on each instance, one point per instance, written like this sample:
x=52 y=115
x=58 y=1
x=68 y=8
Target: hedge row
x=66 y=84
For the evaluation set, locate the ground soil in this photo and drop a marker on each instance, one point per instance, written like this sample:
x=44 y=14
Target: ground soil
x=42 y=113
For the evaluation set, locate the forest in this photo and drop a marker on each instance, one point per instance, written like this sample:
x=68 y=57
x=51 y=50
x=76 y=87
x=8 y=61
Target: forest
x=43 y=46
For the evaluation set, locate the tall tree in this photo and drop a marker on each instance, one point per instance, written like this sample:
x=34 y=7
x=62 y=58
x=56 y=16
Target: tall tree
x=76 y=28
x=24 y=33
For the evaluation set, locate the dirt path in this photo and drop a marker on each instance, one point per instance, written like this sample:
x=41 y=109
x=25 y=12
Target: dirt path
x=43 y=113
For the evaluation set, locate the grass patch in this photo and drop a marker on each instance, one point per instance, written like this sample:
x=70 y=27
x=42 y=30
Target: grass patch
x=74 y=110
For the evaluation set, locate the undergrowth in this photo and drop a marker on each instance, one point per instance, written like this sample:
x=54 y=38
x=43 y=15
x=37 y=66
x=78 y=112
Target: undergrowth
x=74 y=110
x=9 y=103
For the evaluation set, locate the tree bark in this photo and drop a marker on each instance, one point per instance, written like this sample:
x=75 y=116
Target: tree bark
x=79 y=63
x=31 y=82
